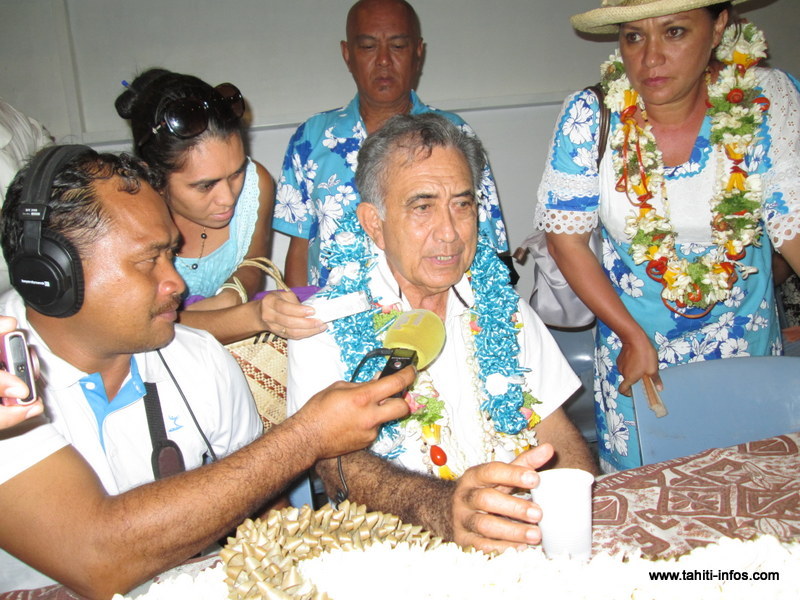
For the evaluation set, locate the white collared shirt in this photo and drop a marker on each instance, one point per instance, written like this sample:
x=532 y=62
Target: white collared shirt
x=208 y=376
x=315 y=363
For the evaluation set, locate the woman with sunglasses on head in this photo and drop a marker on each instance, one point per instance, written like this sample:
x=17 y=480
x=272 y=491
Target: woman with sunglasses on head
x=190 y=135
x=699 y=180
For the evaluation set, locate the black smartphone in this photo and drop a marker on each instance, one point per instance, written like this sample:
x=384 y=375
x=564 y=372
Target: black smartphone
x=16 y=358
x=399 y=359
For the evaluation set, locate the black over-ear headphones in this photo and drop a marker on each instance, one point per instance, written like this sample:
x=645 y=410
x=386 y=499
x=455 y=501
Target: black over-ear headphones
x=47 y=270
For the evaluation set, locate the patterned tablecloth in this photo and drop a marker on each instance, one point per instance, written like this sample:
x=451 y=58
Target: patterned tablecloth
x=669 y=508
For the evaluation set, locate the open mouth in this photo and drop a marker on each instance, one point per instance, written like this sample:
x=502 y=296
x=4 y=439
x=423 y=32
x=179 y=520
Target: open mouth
x=445 y=259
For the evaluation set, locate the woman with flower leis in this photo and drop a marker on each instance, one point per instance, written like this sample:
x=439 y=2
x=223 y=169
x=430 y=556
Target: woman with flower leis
x=699 y=182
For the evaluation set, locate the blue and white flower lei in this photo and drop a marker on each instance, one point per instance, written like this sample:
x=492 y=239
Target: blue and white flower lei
x=351 y=256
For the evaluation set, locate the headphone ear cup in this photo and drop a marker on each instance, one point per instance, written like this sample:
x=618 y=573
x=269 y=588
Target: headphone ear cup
x=51 y=282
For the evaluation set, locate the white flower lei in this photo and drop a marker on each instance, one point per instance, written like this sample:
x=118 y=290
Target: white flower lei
x=736 y=110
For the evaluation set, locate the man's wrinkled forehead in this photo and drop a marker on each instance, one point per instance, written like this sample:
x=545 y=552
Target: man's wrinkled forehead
x=411 y=149
x=408 y=158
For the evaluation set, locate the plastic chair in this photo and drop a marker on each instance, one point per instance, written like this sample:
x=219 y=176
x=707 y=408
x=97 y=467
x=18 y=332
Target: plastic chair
x=577 y=346
x=719 y=403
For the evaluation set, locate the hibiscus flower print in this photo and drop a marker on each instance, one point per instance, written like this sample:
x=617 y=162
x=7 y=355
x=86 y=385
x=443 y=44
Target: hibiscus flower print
x=631 y=285
x=756 y=322
x=616 y=440
x=609 y=394
x=331 y=141
x=701 y=349
x=289 y=205
x=310 y=169
x=736 y=298
x=584 y=157
x=488 y=187
x=314 y=275
x=671 y=351
x=733 y=347
x=329 y=212
x=610 y=255
x=483 y=214
x=577 y=124
x=345 y=194
x=720 y=329
x=614 y=342
x=500 y=232
x=359 y=132
x=352 y=160
x=754 y=158
x=603 y=362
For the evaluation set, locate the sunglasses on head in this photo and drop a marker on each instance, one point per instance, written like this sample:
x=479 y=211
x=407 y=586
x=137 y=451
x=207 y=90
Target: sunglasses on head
x=188 y=117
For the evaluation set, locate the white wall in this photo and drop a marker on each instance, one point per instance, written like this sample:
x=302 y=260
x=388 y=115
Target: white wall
x=505 y=65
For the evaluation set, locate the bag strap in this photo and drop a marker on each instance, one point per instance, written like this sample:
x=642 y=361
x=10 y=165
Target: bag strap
x=167 y=458
x=605 y=120
x=265 y=265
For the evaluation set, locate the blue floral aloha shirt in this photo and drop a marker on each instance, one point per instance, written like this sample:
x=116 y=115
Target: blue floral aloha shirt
x=744 y=325
x=317 y=186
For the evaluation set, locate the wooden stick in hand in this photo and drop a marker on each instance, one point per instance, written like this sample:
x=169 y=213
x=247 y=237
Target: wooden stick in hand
x=653 y=399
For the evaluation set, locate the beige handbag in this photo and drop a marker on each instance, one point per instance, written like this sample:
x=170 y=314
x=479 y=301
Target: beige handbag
x=263 y=357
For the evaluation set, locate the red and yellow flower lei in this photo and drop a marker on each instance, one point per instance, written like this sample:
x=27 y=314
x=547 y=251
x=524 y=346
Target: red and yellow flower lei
x=736 y=110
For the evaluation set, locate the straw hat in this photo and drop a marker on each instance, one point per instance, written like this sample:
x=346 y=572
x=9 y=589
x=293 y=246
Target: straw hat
x=607 y=18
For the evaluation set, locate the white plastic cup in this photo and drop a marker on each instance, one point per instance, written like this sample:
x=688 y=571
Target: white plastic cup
x=565 y=497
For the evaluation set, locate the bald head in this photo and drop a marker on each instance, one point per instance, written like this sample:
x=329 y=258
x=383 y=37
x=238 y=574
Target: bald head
x=363 y=8
x=383 y=53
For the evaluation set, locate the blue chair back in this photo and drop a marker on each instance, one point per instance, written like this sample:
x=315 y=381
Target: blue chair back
x=719 y=403
x=577 y=346
x=301 y=491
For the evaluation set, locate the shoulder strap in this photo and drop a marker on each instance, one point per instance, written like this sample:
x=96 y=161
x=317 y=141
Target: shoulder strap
x=605 y=120
x=167 y=458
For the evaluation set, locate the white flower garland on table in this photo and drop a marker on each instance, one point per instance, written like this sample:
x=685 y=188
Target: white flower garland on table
x=504 y=408
x=736 y=109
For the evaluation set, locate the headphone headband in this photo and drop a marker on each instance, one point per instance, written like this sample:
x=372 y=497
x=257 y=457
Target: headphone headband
x=43 y=169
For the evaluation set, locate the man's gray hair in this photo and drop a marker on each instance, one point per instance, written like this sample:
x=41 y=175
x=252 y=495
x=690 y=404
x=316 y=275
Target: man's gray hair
x=417 y=135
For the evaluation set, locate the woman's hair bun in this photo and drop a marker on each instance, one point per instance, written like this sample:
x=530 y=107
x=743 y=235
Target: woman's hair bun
x=126 y=101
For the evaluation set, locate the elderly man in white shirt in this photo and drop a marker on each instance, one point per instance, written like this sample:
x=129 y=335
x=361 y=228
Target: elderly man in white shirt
x=498 y=385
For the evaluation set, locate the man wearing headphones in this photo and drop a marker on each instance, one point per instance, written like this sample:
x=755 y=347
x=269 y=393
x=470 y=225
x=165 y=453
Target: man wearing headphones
x=115 y=487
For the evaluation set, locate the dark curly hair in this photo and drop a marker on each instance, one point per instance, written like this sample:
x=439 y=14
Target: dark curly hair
x=73 y=208
x=143 y=104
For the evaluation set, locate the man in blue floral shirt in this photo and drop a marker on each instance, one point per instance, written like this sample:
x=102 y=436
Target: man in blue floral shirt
x=383 y=52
